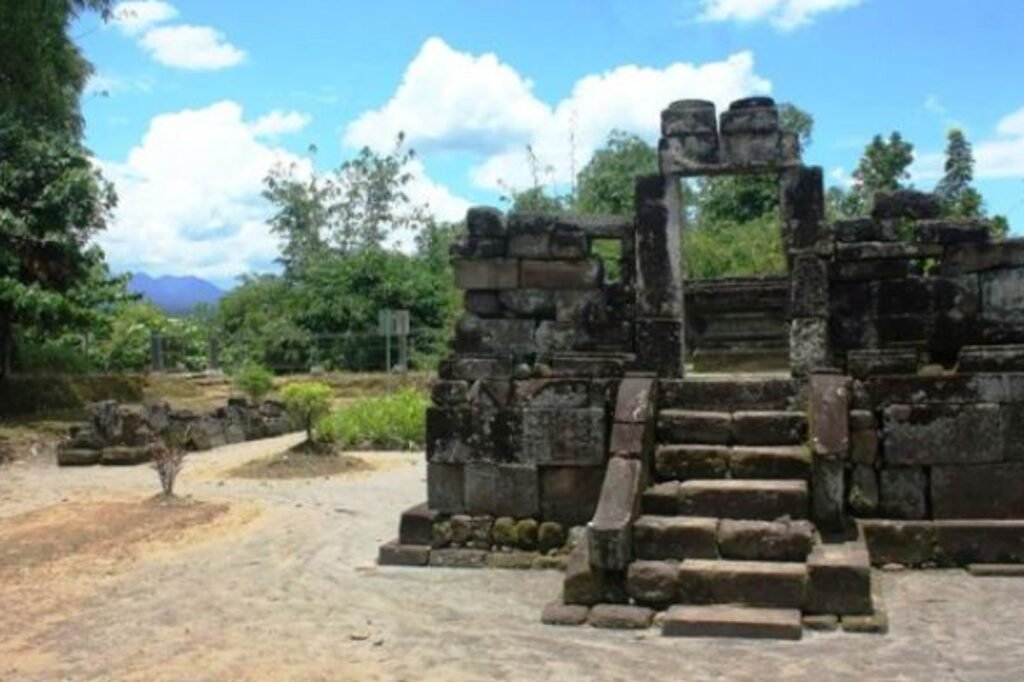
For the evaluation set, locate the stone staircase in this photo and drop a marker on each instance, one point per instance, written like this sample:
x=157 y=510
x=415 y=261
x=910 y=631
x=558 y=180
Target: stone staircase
x=724 y=542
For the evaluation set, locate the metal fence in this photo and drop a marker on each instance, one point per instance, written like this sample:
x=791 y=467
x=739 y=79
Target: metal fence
x=356 y=351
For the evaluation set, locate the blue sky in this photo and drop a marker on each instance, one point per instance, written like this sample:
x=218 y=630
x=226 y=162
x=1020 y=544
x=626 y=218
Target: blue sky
x=193 y=101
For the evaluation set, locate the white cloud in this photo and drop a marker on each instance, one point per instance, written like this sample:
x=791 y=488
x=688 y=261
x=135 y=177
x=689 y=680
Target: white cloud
x=279 y=122
x=1002 y=156
x=934 y=105
x=505 y=115
x=1012 y=125
x=135 y=17
x=998 y=156
x=453 y=100
x=840 y=177
x=784 y=15
x=107 y=84
x=189 y=196
x=198 y=48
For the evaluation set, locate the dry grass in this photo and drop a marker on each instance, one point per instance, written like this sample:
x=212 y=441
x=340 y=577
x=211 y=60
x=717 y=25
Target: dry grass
x=300 y=463
x=104 y=530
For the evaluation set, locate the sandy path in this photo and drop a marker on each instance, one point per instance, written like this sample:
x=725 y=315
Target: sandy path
x=293 y=594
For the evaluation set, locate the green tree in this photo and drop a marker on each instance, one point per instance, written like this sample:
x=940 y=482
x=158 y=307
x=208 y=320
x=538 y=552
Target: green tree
x=42 y=72
x=254 y=380
x=303 y=212
x=607 y=183
x=884 y=165
x=959 y=198
x=307 y=403
x=52 y=201
x=372 y=199
x=256 y=322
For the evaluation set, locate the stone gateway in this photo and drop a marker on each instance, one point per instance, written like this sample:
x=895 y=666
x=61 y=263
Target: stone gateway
x=879 y=417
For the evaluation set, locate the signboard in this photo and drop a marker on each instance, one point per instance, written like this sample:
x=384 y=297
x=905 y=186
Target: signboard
x=393 y=323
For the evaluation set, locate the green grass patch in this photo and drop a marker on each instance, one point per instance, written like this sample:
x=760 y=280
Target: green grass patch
x=392 y=422
x=38 y=394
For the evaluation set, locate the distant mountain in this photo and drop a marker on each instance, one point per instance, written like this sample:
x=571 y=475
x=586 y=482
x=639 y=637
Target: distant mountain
x=175 y=295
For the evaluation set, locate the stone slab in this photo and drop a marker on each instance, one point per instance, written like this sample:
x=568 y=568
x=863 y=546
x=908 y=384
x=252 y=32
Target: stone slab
x=764 y=427
x=652 y=583
x=620 y=617
x=490 y=273
x=695 y=427
x=903 y=493
x=744 y=499
x=768 y=584
x=986 y=491
x=557 y=613
x=684 y=462
x=941 y=434
x=416 y=525
x=675 y=537
x=996 y=570
x=839 y=580
x=765 y=540
x=661 y=499
x=569 y=495
x=610 y=531
x=732 y=621
x=396 y=554
x=565 y=437
x=446 y=488
x=458 y=558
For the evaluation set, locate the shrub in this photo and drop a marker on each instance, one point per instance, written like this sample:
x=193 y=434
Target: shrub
x=254 y=380
x=307 y=402
x=396 y=421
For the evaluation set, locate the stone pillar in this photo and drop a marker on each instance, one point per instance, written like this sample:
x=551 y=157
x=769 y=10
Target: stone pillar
x=660 y=336
x=806 y=241
x=829 y=417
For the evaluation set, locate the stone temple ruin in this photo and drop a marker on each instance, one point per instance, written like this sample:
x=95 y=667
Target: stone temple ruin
x=728 y=504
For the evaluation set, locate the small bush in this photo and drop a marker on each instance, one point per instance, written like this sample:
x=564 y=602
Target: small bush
x=396 y=422
x=254 y=380
x=307 y=402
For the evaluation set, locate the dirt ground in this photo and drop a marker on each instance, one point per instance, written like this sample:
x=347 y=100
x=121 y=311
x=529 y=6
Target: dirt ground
x=275 y=580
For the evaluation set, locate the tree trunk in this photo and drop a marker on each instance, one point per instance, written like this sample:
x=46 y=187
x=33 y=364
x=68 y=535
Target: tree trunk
x=6 y=347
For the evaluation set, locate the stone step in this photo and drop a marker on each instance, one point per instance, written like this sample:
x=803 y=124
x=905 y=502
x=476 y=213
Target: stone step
x=769 y=427
x=690 y=461
x=675 y=537
x=731 y=621
x=839 y=579
x=728 y=394
x=761 y=500
x=753 y=427
x=663 y=537
x=740 y=359
x=694 y=426
x=765 y=540
x=771 y=584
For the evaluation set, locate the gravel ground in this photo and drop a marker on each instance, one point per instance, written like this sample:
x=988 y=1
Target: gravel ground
x=291 y=592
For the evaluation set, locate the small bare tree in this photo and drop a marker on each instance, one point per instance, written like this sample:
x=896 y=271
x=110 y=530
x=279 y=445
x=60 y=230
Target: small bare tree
x=168 y=458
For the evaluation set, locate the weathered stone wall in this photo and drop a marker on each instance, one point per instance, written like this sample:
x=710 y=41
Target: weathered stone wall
x=948 y=447
x=908 y=280
x=520 y=419
x=118 y=434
